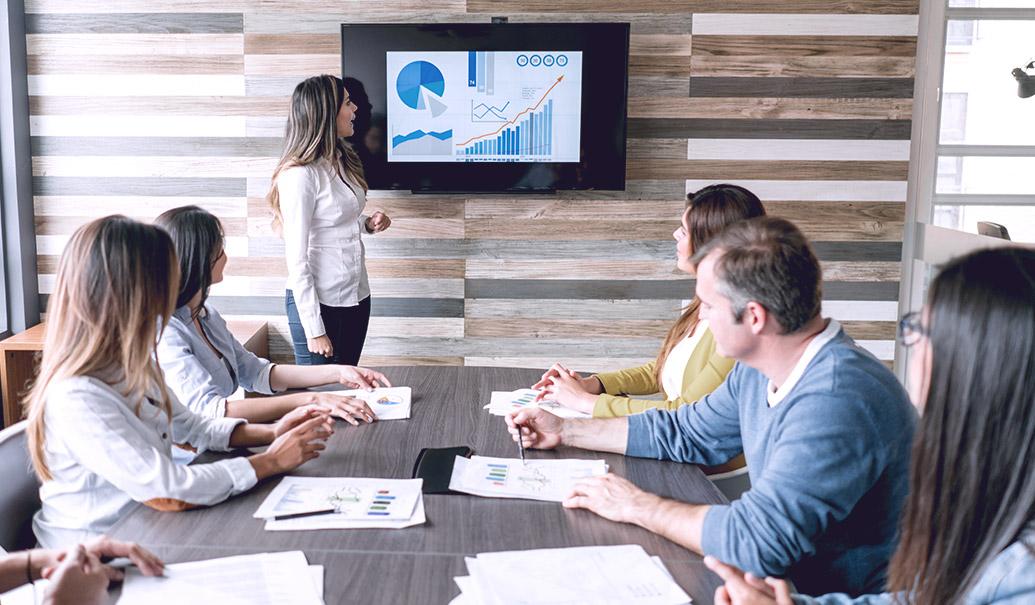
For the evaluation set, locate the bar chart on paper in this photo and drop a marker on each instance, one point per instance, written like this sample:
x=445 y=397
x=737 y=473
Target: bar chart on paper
x=484 y=106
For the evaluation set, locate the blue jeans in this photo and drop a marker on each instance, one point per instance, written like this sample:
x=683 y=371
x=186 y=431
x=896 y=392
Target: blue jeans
x=345 y=326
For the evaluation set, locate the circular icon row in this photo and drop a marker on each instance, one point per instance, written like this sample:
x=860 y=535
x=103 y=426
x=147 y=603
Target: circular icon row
x=547 y=60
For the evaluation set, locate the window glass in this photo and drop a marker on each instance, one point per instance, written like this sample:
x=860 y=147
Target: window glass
x=1019 y=221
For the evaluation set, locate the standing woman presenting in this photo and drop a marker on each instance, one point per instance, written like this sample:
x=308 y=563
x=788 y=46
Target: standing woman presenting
x=317 y=195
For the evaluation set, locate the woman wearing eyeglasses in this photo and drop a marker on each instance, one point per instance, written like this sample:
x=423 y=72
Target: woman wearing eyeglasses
x=968 y=527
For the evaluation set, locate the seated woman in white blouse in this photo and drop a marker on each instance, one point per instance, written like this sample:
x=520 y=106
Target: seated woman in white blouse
x=202 y=362
x=101 y=421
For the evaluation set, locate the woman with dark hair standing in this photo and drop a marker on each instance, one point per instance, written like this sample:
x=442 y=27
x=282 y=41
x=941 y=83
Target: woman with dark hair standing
x=968 y=527
x=687 y=367
x=317 y=195
x=204 y=364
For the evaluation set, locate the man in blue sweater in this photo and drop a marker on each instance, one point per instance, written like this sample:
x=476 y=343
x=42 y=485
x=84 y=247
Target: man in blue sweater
x=825 y=427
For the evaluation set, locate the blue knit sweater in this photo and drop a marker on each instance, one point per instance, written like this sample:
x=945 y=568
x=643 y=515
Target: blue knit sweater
x=828 y=464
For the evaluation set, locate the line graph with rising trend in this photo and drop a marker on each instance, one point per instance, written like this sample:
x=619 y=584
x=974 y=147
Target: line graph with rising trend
x=484 y=106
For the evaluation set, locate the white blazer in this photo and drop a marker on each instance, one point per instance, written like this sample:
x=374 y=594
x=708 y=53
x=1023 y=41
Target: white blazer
x=104 y=459
x=323 y=219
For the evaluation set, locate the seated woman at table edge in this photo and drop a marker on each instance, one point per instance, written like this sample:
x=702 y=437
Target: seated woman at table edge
x=76 y=575
x=687 y=366
x=204 y=364
x=101 y=420
x=968 y=526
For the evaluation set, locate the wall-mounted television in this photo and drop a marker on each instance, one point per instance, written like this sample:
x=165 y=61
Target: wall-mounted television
x=503 y=107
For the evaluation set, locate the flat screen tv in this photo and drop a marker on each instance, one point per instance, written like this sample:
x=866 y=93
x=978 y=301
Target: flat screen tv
x=476 y=107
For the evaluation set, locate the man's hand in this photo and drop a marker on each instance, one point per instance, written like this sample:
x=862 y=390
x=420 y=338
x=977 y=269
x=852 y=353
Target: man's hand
x=612 y=497
x=746 y=588
x=535 y=428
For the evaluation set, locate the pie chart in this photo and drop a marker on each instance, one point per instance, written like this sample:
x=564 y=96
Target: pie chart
x=420 y=86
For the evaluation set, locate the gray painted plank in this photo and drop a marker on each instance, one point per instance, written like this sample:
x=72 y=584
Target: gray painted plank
x=563 y=249
x=703 y=128
x=507 y=308
x=158 y=146
x=270 y=86
x=513 y=347
x=645 y=289
x=831 y=88
x=379 y=306
x=658 y=86
x=194 y=187
x=135 y=23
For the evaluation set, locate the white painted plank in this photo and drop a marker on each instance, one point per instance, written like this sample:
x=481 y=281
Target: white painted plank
x=881 y=349
x=856 y=310
x=143 y=85
x=155 y=126
x=793 y=149
x=134 y=44
x=148 y=166
x=137 y=206
x=833 y=191
x=379 y=287
x=265 y=126
x=733 y=24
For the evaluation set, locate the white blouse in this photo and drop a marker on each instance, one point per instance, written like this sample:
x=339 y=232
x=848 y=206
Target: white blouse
x=323 y=219
x=104 y=459
x=674 y=370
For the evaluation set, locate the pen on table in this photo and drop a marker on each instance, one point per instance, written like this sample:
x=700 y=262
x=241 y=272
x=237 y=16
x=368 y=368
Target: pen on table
x=312 y=513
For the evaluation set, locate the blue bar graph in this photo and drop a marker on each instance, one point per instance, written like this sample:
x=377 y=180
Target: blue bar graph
x=472 y=69
x=531 y=137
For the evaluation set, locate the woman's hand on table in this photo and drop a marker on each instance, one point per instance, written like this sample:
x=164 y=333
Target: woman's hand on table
x=79 y=579
x=356 y=377
x=742 y=588
x=568 y=388
x=349 y=409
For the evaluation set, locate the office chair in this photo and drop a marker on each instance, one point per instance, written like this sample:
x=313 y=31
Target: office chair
x=20 y=496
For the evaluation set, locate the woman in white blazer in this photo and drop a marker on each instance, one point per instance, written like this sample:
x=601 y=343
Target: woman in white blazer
x=102 y=423
x=204 y=364
x=317 y=196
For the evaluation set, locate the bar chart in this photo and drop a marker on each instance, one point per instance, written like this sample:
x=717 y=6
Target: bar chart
x=528 y=138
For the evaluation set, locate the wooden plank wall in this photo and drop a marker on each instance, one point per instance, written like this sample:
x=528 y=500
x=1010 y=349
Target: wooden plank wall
x=138 y=106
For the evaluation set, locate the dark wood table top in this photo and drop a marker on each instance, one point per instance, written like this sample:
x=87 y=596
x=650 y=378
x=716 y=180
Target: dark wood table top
x=417 y=564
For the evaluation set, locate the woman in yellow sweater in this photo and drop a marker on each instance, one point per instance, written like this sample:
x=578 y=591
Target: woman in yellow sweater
x=687 y=366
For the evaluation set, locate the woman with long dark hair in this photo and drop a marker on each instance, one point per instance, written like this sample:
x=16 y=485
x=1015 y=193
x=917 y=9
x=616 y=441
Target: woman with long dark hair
x=317 y=196
x=968 y=527
x=204 y=364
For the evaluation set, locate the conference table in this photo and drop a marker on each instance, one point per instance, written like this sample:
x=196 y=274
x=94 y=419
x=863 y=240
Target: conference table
x=417 y=564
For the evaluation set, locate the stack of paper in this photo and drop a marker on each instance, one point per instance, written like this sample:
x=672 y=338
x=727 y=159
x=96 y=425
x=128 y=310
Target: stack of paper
x=300 y=503
x=618 y=575
x=550 y=480
x=388 y=403
x=262 y=579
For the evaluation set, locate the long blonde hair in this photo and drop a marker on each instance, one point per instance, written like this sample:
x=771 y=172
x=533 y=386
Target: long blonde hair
x=708 y=212
x=312 y=135
x=116 y=280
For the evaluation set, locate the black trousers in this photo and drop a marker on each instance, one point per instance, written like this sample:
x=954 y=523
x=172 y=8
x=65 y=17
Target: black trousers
x=346 y=327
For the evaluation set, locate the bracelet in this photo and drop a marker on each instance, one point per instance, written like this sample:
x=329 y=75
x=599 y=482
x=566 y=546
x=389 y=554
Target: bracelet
x=28 y=566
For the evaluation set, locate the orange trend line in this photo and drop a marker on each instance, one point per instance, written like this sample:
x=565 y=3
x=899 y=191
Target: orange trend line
x=515 y=117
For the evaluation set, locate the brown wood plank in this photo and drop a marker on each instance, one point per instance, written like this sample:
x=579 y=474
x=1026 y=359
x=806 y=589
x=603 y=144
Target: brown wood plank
x=414 y=268
x=649 y=65
x=402 y=360
x=870 y=330
x=674 y=149
x=429 y=228
x=564 y=328
x=861 y=271
x=805 y=46
x=844 y=221
x=803 y=67
x=772 y=108
x=588 y=209
x=574 y=269
x=659 y=44
x=569 y=230
x=292 y=44
x=805 y=170
x=292 y=65
x=136 y=64
x=181 y=106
